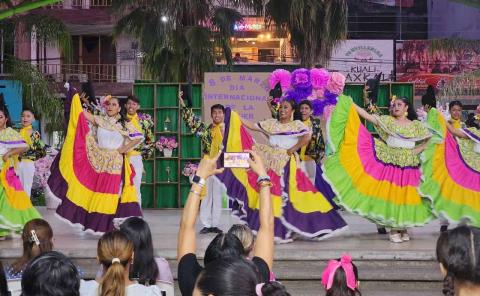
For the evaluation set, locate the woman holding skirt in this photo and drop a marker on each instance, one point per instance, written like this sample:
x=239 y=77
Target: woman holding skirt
x=92 y=176
x=300 y=210
x=378 y=178
x=15 y=206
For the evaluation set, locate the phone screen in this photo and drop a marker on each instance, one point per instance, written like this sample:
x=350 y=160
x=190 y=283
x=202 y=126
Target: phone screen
x=236 y=159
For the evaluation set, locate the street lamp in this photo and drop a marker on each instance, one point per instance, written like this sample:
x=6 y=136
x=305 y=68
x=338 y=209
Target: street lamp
x=164 y=19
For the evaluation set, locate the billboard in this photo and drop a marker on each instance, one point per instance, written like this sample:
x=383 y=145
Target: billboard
x=418 y=63
x=360 y=60
x=246 y=93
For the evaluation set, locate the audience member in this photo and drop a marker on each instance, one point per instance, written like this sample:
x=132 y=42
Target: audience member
x=458 y=251
x=3 y=282
x=224 y=246
x=245 y=235
x=115 y=253
x=37 y=237
x=235 y=277
x=52 y=274
x=340 y=278
x=146 y=269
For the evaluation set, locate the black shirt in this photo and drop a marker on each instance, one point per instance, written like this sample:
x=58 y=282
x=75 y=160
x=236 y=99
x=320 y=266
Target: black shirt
x=189 y=269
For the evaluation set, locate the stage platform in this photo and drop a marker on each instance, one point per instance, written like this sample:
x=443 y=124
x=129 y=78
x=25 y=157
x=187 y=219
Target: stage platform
x=385 y=268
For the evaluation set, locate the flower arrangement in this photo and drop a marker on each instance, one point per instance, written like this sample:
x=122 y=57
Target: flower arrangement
x=317 y=85
x=163 y=143
x=190 y=169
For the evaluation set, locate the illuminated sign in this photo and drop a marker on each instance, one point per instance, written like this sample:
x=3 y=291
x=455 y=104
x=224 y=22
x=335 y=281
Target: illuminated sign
x=248 y=27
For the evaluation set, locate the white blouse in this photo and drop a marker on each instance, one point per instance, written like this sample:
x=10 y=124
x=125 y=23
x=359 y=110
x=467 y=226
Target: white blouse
x=91 y=288
x=395 y=142
x=283 y=141
x=109 y=139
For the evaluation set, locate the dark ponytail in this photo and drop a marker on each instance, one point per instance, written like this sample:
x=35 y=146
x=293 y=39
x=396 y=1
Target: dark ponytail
x=448 y=285
x=411 y=113
x=274 y=289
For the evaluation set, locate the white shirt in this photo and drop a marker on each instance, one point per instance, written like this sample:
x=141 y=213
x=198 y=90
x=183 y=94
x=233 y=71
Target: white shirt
x=91 y=288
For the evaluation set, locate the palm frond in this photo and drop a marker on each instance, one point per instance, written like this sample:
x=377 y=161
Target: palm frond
x=38 y=94
x=460 y=86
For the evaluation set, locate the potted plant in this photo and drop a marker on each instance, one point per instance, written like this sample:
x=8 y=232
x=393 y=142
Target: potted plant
x=166 y=145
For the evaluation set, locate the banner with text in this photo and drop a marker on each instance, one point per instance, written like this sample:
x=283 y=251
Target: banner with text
x=246 y=93
x=360 y=60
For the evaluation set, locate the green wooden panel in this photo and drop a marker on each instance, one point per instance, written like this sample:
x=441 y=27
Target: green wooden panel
x=147 y=176
x=145 y=95
x=191 y=146
x=184 y=190
x=167 y=95
x=162 y=115
x=354 y=91
x=167 y=195
x=197 y=96
x=162 y=166
x=403 y=90
x=147 y=195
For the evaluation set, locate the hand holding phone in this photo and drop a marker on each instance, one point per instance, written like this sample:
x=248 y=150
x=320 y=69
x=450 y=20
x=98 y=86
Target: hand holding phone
x=236 y=160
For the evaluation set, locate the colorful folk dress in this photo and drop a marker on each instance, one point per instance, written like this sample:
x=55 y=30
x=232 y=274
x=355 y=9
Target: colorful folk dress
x=376 y=178
x=451 y=172
x=36 y=150
x=15 y=206
x=299 y=208
x=93 y=181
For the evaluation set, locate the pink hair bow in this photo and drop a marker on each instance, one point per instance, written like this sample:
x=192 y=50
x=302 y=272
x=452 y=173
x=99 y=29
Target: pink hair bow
x=258 y=289
x=329 y=272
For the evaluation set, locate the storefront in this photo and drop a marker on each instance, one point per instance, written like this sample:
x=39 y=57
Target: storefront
x=255 y=43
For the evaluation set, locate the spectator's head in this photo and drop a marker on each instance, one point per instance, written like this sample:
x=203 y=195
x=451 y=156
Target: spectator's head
x=144 y=267
x=115 y=253
x=401 y=106
x=37 y=237
x=52 y=274
x=132 y=105
x=306 y=109
x=217 y=112
x=223 y=246
x=3 y=281
x=245 y=235
x=455 y=108
x=234 y=277
x=340 y=277
x=458 y=253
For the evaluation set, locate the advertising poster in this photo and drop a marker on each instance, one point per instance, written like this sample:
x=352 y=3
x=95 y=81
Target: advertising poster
x=360 y=60
x=417 y=63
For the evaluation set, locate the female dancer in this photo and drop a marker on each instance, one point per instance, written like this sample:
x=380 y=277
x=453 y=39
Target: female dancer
x=451 y=171
x=92 y=176
x=378 y=178
x=298 y=206
x=36 y=150
x=15 y=206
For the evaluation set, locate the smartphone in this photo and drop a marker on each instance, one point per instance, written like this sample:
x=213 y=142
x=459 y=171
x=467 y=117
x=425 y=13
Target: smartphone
x=236 y=160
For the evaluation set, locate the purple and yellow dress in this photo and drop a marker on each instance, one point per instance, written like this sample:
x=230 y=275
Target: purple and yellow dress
x=451 y=172
x=16 y=209
x=93 y=181
x=299 y=208
x=376 y=178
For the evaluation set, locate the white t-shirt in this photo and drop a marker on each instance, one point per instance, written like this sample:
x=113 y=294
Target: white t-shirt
x=90 y=288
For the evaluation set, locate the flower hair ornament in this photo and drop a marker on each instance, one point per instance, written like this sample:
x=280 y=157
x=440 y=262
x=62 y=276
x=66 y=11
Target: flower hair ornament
x=329 y=273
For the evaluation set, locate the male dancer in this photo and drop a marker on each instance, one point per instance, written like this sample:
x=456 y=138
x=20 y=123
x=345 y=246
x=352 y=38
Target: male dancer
x=143 y=123
x=212 y=139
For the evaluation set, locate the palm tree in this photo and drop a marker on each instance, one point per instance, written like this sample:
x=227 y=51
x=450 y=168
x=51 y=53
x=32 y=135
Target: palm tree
x=178 y=37
x=315 y=26
x=17 y=20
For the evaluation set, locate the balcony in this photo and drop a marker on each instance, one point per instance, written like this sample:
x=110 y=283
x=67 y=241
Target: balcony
x=92 y=72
